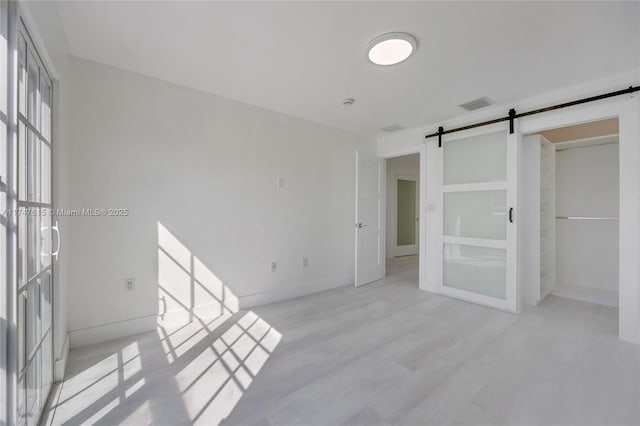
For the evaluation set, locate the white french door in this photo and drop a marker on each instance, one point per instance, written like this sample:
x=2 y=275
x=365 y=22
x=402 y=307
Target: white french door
x=477 y=226
x=34 y=232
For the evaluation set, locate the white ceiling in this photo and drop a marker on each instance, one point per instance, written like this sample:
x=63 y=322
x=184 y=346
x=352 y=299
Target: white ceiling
x=302 y=58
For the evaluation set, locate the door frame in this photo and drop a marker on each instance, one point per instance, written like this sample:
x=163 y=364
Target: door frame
x=413 y=248
x=423 y=229
x=627 y=111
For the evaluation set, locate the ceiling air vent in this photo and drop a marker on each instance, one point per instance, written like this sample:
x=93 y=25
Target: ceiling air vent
x=476 y=104
x=392 y=128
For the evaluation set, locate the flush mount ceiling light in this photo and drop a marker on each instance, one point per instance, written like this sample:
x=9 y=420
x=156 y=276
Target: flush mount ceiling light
x=391 y=48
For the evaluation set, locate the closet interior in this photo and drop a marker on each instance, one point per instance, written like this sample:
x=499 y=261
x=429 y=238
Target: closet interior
x=569 y=214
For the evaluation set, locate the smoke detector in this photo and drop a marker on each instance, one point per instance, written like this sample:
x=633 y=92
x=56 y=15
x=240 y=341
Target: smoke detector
x=347 y=101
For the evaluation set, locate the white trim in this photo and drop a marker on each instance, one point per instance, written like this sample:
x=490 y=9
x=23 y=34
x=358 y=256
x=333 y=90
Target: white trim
x=467 y=187
x=514 y=158
x=580 y=143
x=203 y=312
x=423 y=242
x=294 y=291
x=60 y=364
x=402 y=151
x=586 y=296
x=105 y=332
x=478 y=299
x=429 y=211
x=476 y=242
x=408 y=249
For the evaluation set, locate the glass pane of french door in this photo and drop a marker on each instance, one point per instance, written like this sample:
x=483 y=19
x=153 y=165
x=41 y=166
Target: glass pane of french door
x=406 y=212
x=35 y=287
x=477 y=237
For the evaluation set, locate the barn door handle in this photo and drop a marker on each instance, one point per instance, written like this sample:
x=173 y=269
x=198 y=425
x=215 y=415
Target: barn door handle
x=511 y=215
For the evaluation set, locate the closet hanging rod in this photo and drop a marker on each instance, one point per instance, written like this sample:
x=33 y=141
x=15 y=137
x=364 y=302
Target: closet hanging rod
x=585 y=218
x=513 y=115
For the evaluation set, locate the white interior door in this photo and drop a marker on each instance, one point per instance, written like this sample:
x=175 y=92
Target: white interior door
x=407 y=214
x=369 y=219
x=478 y=247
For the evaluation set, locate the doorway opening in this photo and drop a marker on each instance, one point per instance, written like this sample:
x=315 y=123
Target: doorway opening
x=403 y=215
x=571 y=207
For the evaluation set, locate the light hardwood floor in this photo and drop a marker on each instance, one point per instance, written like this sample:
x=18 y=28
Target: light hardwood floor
x=386 y=353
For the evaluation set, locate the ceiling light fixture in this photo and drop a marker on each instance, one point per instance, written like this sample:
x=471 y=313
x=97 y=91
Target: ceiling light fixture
x=391 y=48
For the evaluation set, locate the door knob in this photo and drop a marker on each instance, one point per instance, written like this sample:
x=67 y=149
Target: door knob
x=360 y=225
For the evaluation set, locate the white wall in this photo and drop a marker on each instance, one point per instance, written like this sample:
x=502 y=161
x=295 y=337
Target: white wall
x=199 y=176
x=407 y=165
x=587 y=184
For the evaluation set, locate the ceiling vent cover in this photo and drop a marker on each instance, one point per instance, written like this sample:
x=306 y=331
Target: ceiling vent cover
x=392 y=128
x=476 y=104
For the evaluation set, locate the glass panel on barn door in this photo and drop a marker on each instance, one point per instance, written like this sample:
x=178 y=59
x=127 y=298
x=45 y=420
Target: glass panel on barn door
x=476 y=214
x=478 y=270
x=475 y=159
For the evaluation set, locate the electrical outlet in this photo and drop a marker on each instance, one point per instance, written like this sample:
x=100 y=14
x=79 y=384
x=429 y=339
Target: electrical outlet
x=274 y=266
x=129 y=283
x=305 y=262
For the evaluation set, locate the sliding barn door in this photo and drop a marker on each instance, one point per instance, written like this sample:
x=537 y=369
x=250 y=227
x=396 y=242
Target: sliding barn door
x=477 y=217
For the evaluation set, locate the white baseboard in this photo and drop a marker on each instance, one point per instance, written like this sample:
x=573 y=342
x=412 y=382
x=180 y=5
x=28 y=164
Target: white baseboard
x=292 y=292
x=586 y=294
x=103 y=333
x=60 y=364
x=203 y=312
